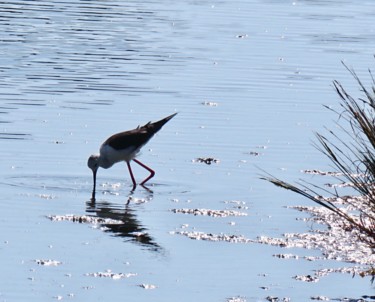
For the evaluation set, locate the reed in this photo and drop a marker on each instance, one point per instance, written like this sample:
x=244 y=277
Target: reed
x=351 y=150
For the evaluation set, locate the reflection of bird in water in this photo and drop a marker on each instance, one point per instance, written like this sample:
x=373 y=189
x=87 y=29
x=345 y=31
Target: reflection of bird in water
x=129 y=228
x=124 y=146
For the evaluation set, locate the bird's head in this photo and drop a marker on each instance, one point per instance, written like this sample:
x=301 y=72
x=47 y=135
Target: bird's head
x=93 y=163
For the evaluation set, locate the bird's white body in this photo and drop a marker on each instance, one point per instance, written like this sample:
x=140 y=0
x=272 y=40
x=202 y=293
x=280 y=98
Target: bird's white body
x=109 y=156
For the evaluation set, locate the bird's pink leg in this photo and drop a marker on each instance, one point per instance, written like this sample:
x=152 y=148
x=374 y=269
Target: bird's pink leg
x=131 y=175
x=152 y=172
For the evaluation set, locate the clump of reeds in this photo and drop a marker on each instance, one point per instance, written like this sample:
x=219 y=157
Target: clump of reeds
x=351 y=149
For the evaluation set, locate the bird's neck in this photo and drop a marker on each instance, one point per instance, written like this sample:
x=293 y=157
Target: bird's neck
x=104 y=163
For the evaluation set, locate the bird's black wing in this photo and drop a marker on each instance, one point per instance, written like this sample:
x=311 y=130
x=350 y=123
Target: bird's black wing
x=133 y=138
x=137 y=137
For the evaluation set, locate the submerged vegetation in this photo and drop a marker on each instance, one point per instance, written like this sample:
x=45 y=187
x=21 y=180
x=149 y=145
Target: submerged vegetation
x=351 y=149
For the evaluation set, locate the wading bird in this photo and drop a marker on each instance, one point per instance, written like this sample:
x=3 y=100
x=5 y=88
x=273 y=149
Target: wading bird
x=124 y=146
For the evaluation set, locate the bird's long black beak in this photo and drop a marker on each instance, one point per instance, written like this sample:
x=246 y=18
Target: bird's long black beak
x=94 y=187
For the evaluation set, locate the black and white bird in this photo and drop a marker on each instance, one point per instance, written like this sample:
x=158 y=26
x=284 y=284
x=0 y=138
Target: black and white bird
x=124 y=146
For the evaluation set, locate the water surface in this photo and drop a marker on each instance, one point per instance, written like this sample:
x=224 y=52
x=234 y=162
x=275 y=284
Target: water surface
x=247 y=78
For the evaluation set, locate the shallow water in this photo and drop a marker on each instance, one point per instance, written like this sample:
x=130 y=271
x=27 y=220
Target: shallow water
x=248 y=79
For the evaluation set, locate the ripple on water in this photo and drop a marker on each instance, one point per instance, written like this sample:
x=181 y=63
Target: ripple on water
x=15 y=136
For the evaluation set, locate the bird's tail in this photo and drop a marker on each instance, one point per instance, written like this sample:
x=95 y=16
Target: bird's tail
x=155 y=127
